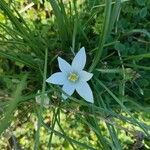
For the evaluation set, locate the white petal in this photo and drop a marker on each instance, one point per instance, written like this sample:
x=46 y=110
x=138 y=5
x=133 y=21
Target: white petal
x=85 y=76
x=63 y=65
x=57 y=78
x=85 y=91
x=79 y=60
x=68 y=89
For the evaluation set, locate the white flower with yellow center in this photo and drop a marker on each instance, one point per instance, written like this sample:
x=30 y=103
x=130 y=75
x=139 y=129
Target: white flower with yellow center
x=73 y=77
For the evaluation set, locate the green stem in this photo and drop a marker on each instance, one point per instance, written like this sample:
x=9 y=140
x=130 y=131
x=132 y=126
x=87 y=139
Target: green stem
x=40 y=111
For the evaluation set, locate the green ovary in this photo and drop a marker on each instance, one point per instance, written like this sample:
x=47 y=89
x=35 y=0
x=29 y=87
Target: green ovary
x=73 y=77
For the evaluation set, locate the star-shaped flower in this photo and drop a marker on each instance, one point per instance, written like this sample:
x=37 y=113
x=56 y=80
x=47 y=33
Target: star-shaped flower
x=73 y=77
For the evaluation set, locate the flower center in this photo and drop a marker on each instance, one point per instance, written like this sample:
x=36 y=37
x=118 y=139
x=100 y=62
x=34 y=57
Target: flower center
x=73 y=77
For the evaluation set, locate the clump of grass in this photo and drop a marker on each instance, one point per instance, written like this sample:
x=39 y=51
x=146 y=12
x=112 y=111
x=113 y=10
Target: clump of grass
x=118 y=55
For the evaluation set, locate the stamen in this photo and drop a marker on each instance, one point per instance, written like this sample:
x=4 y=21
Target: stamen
x=73 y=77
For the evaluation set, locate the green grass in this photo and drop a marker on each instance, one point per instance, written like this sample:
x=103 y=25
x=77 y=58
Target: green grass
x=116 y=37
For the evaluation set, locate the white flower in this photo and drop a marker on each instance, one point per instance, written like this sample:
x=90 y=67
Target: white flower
x=73 y=77
x=45 y=100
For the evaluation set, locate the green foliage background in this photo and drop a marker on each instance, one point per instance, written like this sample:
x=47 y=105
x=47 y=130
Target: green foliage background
x=116 y=35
